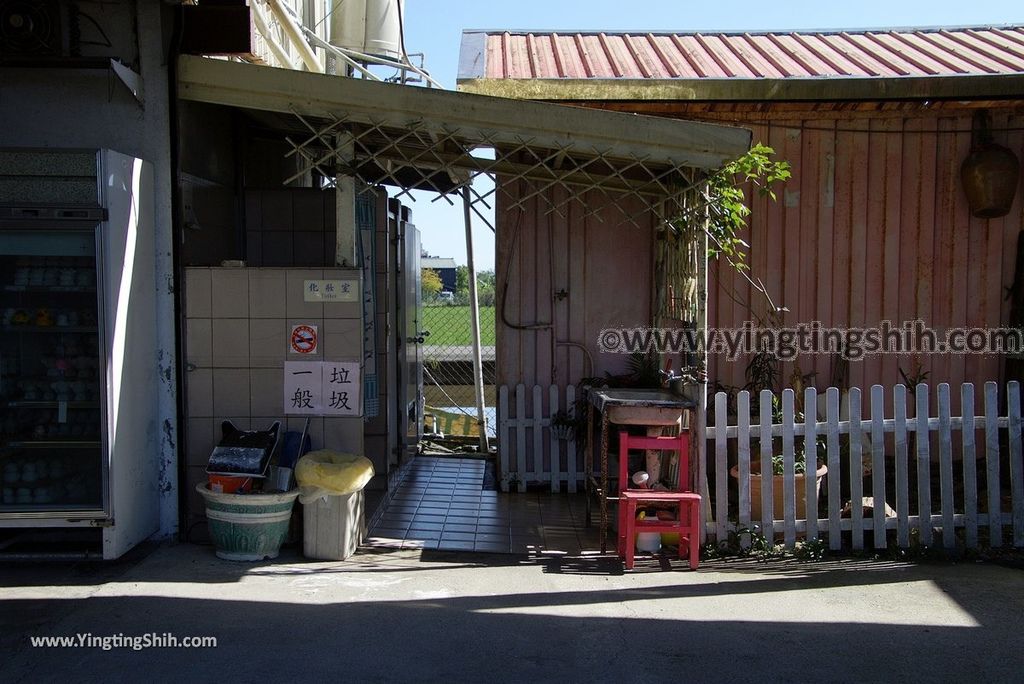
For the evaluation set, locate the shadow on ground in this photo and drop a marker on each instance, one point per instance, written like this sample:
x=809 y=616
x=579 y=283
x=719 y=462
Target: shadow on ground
x=403 y=616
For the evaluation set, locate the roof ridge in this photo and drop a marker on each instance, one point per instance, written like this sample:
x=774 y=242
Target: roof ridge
x=751 y=32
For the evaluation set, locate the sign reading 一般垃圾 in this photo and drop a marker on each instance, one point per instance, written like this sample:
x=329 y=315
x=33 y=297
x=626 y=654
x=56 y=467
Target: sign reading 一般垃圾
x=322 y=388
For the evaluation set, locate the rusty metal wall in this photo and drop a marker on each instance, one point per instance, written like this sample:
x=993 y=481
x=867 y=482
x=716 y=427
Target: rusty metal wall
x=874 y=225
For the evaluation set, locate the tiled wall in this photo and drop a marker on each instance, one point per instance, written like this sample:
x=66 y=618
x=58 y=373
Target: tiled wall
x=236 y=341
x=289 y=227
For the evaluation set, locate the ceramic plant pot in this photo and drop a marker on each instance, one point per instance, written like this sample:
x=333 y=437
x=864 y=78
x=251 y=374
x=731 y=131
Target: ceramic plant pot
x=778 y=500
x=247 y=527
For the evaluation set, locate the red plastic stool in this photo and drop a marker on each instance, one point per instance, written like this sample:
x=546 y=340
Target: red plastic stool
x=687 y=522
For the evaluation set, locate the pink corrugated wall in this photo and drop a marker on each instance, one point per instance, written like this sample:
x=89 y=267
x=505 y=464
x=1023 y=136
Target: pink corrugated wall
x=874 y=225
x=580 y=274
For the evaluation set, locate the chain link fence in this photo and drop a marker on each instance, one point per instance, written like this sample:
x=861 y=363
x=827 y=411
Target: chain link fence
x=448 y=364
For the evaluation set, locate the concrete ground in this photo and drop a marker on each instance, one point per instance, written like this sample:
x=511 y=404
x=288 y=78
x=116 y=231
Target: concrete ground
x=405 y=615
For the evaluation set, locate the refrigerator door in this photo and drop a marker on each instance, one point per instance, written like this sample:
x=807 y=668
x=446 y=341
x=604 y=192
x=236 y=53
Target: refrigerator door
x=52 y=443
x=129 y=282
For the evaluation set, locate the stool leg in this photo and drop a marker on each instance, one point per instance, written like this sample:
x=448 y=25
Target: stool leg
x=694 y=536
x=630 y=541
x=621 y=528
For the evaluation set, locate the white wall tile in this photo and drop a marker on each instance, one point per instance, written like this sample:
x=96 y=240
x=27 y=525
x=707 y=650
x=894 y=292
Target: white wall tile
x=198 y=293
x=266 y=388
x=230 y=292
x=231 y=342
x=199 y=342
x=267 y=293
x=268 y=342
x=344 y=434
x=231 y=391
x=342 y=338
x=200 y=392
x=201 y=440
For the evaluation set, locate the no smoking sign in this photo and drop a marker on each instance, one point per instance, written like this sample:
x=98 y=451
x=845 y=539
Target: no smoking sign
x=303 y=339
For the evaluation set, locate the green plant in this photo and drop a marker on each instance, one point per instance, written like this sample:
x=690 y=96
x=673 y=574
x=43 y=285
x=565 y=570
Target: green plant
x=812 y=550
x=728 y=211
x=745 y=542
x=643 y=372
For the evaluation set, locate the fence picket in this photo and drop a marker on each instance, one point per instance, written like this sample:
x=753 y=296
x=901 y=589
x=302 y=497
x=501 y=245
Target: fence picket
x=743 y=465
x=856 y=472
x=537 y=412
x=721 y=466
x=767 y=483
x=899 y=401
x=554 y=443
x=1016 y=481
x=946 y=468
x=970 y=467
x=521 y=421
x=878 y=465
x=835 y=501
x=788 y=469
x=995 y=527
x=924 y=464
x=570 y=449
x=504 y=438
x=811 y=461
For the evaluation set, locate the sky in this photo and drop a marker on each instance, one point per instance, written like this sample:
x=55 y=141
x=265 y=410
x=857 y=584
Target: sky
x=435 y=27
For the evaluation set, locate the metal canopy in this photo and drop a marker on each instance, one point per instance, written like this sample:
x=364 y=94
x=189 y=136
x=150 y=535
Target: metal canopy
x=415 y=138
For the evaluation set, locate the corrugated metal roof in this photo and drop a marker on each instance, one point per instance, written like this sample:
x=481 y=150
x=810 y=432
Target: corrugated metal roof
x=885 y=53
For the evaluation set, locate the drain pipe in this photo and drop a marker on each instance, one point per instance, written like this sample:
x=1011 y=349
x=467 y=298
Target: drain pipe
x=474 y=311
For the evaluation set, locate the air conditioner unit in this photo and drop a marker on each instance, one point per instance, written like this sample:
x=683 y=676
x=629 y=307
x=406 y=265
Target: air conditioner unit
x=31 y=29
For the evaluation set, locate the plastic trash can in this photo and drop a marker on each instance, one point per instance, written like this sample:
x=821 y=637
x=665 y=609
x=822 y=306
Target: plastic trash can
x=333 y=527
x=331 y=492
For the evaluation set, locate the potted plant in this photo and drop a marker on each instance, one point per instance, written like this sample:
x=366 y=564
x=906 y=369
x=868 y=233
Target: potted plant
x=800 y=469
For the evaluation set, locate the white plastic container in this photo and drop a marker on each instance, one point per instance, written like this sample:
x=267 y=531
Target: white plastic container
x=333 y=527
x=648 y=542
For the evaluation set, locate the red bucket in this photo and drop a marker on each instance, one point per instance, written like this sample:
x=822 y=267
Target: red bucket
x=230 y=484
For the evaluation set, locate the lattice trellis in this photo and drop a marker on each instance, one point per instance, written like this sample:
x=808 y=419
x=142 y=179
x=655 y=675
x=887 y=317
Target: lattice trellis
x=422 y=155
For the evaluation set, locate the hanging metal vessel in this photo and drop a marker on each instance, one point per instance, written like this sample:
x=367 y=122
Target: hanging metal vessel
x=989 y=175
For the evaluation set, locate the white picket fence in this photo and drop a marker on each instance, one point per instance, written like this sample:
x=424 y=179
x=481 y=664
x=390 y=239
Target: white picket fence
x=527 y=446
x=887 y=443
x=890 y=444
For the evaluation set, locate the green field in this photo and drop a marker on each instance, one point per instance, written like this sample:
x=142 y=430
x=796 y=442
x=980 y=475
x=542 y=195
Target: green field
x=450 y=325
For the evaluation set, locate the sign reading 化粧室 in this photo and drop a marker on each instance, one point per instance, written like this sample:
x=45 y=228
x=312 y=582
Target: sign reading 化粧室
x=322 y=388
x=330 y=290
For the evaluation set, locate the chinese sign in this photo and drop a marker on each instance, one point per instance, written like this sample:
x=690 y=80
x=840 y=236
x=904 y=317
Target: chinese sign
x=303 y=339
x=330 y=291
x=327 y=388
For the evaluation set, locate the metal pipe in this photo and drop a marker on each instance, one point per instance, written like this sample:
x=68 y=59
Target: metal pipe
x=337 y=52
x=474 y=315
x=260 y=19
x=294 y=33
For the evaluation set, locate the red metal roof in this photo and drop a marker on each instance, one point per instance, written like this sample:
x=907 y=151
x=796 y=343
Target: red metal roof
x=777 y=55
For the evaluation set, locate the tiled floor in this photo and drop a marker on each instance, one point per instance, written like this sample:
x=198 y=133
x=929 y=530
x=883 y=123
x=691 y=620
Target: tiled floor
x=441 y=505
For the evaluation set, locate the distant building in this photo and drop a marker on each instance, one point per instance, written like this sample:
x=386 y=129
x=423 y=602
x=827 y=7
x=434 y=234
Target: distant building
x=445 y=268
